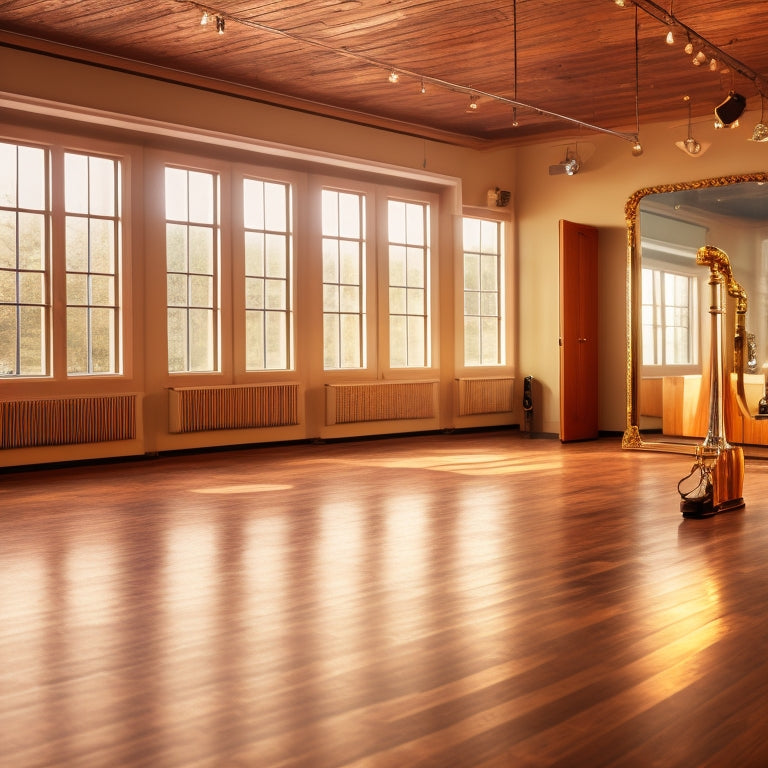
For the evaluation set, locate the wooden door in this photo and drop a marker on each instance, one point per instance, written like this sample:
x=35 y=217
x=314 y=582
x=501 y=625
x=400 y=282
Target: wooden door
x=578 y=332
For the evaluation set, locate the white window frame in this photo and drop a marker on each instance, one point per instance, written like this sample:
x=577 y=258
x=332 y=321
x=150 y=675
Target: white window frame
x=56 y=373
x=501 y=296
x=402 y=194
x=694 y=275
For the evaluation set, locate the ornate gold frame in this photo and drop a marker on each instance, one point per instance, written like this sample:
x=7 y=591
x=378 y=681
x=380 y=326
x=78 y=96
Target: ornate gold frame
x=632 y=437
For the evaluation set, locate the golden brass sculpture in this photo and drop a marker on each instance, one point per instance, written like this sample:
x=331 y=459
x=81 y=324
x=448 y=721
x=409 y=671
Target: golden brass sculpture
x=716 y=480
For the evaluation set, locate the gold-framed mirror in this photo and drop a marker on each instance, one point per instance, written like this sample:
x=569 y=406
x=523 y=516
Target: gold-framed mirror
x=665 y=226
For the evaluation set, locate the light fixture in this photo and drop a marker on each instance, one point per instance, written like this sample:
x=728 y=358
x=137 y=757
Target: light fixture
x=699 y=59
x=690 y=146
x=220 y=24
x=760 y=131
x=668 y=20
x=637 y=149
x=731 y=109
x=423 y=87
x=569 y=166
x=621 y=3
x=394 y=77
x=472 y=106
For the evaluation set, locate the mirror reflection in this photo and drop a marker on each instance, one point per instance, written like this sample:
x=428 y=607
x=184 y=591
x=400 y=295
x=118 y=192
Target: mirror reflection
x=669 y=344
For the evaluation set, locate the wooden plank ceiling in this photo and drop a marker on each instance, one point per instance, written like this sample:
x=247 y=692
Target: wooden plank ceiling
x=570 y=58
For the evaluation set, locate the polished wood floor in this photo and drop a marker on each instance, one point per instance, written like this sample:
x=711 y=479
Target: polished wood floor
x=443 y=600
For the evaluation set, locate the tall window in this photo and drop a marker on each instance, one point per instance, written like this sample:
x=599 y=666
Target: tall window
x=483 y=301
x=343 y=217
x=409 y=262
x=192 y=263
x=24 y=248
x=92 y=205
x=268 y=270
x=669 y=311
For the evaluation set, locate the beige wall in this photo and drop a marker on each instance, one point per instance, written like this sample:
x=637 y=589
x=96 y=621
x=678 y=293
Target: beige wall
x=596 y=195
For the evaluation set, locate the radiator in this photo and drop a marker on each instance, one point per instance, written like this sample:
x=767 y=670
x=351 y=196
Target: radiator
x=236 y=406
x=380 y=401
x=485 y=395
x=67 y=420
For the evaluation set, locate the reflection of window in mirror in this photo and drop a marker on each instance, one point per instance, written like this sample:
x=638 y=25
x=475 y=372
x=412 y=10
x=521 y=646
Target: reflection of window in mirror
x=671 y=295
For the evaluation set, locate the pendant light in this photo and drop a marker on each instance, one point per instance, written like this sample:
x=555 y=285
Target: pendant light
x=690 y=146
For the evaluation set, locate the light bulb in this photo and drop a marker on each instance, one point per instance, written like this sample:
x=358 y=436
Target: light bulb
x=393 y=77
x=670 y=38
x=713 y=65
x=220 y=24
x=689 y=48
x=204 y=19
x=637 y=149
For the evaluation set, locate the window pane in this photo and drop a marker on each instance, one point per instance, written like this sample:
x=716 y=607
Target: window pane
x=201 y=197
x=343 y=220
x=102 y=186
x=103 y=245
x=31 y=240
x=254 y=254
x=33 y=338
x=76 y=183
x=92 y=260
x=102 y=334
x=276 y=340
x=254 y=347
x=349 y=216
x=331 y=300
x=350 y=299
x=32 y=288
x=8 y=330
x=77 y=289
x=268 y=289
x=253 y=204
x=274 y=294
x=191 y=199
x=332 y=341
x=275 y=207
x=483 y=300
x=176 y=247
x=350 y=341
x=176 y=207
x=408 y=280
x=472 y=336
x=201 y=250
x=7 y=239
x=8 y=160
x=102 y=291
x=254 y=293
x=8 y=287
x=200 y=291
x=77 y=340
x=669 y=312
x=200 y=340
x=277 y=250
x=24 y=279
x=177 y=340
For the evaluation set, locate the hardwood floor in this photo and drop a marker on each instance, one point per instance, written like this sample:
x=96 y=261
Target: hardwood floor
x=456 y=600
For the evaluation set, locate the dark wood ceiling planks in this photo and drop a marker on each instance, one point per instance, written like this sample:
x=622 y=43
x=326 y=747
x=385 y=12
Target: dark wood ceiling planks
x=575 y=59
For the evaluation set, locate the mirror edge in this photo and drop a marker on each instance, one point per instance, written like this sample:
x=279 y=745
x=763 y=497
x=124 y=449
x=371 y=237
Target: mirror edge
x=632 y=437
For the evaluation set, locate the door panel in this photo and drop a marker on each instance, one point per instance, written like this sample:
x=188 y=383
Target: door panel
x=578 y=332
